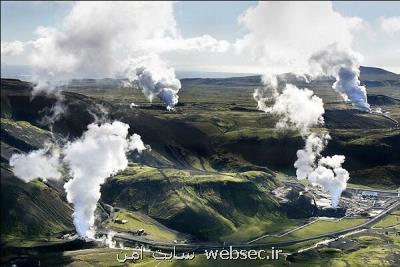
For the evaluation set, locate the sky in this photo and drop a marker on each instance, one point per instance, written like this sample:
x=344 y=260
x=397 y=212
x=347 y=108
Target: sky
x=220 y=20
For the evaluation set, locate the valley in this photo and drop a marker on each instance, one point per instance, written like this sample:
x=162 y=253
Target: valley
x=210 y=177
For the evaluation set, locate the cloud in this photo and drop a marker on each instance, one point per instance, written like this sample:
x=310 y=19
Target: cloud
x=305 y=38
x=390 y=25
x=95 y=37
x=13 y=48
x=99 y=39
x=282 y=36
x=356 y=23
x=199 y=44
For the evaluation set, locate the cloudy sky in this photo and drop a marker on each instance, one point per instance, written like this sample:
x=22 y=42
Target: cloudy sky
x=196 y=36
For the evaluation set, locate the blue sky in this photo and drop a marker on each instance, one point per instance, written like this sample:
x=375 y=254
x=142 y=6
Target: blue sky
x=218 y=19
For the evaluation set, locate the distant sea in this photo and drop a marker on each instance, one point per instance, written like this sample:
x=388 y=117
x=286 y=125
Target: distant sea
x=24 y=72
x=21 y=72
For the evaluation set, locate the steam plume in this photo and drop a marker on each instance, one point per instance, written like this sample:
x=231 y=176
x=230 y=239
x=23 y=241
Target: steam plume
x=307 y=157
x=301 y=109
x=326 y=172
x=297 y=108
x=155 y=79
x=95 y=39
x=98 y=154
x=319 y=44
x=331 y=176
x=56 y=111
x=343 y=65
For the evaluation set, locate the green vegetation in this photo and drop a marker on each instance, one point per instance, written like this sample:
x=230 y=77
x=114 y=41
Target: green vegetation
x=301 y=245
x=381 y=251
x=316 y=228
x=321 y=227
x=31 y=212
x=256 y=227
x=374 y=250
x=40 y=184
x=137 y=221
x=209 y=205
x=86 y=257
x=388 y=177
x=26 y=206
x=330 y=251
x=201 y=260
x=391 y=220
x=210 y=171
x=366 y=240
x=107 y=257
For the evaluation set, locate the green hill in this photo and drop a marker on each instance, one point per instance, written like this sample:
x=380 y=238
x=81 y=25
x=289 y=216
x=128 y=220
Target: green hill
x=29 y=211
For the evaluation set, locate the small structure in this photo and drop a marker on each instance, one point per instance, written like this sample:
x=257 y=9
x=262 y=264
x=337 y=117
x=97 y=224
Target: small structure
x=369 y=194
x=120 y=221
x=139 y=232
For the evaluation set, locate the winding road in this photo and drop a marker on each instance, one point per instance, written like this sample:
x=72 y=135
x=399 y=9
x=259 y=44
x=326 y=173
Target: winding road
x=169 y=246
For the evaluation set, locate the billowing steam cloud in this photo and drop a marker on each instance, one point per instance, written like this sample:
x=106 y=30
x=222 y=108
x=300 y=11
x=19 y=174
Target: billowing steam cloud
x=307 y=157
x=43 y=163
x=331 y=176
x=155 y=79
x=319 y=44
x=326 y=172
x=301 y=109
x=98 y=154
x=296 y=108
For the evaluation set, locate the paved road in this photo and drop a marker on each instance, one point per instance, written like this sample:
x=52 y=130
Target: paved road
x=203 y=246
x=387 y=193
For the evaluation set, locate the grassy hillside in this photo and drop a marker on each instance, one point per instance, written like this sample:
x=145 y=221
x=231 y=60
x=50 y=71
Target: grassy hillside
x=137 y=220
x=208 y=205
x=28 y=210
x=31 y=210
